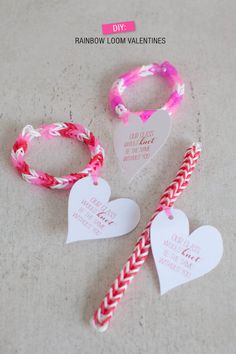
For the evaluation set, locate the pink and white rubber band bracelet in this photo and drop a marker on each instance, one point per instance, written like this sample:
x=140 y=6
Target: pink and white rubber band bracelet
x=164 y=70
x=68 y=130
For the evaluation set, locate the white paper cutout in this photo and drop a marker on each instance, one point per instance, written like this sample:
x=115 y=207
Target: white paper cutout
x=92 y=216
x=181 y=257
x=136 y=142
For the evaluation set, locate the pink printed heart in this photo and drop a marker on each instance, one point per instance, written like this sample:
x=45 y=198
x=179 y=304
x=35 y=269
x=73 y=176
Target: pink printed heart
x=137 y=142
x=181 y=257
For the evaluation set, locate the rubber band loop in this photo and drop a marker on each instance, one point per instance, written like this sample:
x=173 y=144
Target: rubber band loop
x=68 y=130
x=164 y=70
x=168 y=212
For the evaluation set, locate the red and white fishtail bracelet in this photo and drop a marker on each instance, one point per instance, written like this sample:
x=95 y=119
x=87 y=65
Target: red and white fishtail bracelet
x=103 y=315
x=48 y=131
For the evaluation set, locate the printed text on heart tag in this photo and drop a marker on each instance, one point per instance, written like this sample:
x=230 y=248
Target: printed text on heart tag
x=92 y=216
x=136 y=142
x=181 y=257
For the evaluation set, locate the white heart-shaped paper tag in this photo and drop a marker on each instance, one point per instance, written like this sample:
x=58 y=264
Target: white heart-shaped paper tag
x=136 y=142
x=91 y=215
x=181 y=257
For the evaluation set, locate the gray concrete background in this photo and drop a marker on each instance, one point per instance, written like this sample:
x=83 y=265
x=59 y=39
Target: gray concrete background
x=49 y=290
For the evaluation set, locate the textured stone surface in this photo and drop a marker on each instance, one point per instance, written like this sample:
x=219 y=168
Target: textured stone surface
x=49 y=290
